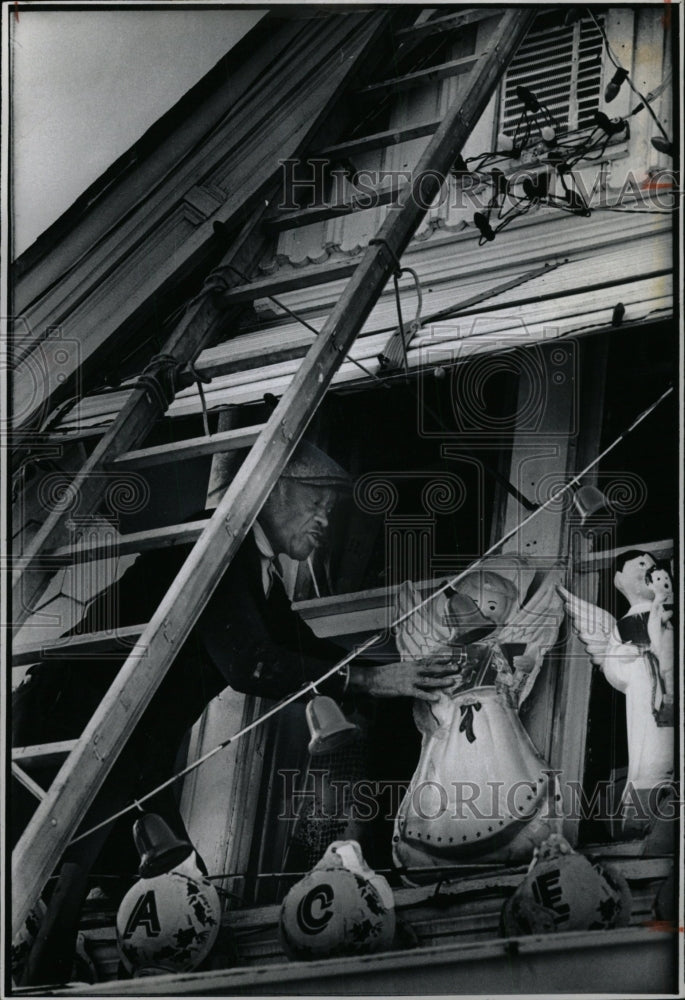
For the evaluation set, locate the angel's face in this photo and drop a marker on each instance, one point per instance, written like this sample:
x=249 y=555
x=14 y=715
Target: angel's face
x=632 y=579
x=490 y=603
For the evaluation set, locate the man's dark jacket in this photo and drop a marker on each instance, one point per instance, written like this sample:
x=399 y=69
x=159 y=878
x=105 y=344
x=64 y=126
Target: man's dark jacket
x=255 y=644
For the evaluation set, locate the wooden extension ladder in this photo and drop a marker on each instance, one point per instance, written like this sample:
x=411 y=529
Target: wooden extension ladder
x=64 y=805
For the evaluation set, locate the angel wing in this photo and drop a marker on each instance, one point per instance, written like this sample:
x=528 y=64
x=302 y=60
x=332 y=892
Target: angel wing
x=592 y=624
x=422 y=633
x=536 y=624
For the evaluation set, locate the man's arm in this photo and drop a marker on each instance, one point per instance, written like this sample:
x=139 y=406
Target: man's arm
x=265 y=648
x=262 y=647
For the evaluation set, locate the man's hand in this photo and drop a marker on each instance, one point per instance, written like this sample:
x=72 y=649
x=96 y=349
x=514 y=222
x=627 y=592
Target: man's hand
x=423 y=679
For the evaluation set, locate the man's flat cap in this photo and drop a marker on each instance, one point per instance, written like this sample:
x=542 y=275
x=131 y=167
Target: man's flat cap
x=311 y=466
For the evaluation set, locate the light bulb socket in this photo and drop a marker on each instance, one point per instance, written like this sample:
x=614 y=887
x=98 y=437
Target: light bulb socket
x=536 y=188
x=662 y=145
x=610 y=126
x=557 y=159
x=615 y=84
x=527 y=98
x=459 y=167
x=482 y=223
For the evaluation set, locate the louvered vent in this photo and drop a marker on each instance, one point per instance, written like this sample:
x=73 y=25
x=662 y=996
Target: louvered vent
x=562 y=65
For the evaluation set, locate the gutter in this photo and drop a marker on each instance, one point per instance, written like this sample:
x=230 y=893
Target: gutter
x=625 y=962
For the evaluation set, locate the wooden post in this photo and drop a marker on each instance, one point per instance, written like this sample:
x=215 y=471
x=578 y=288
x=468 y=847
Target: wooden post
x=541 y=458
x=77 y=783
x=219 y=800
x=574 y=679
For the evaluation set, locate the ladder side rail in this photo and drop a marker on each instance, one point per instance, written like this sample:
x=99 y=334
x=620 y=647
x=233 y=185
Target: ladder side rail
x=78 y=781
x=138 y=414
x=207 y=315
x=448 y=22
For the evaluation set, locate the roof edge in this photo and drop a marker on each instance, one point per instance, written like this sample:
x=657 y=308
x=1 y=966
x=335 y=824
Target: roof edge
x=142 y=147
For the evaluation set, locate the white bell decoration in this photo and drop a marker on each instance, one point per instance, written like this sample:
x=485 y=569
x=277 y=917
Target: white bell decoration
x=341 y=907
x=328 y=727
x=564 y=891
x=169 y=920
x=593 y=507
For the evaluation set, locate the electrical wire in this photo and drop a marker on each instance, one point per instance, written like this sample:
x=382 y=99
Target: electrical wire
x=588 y=143
x=458 y=311
x=571 y=138
x=606 y=324
x=377 y=637
x=543 y=297
x=281 y=305
x=630 y=83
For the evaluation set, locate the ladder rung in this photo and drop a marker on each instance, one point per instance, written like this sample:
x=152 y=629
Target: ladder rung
x=423 y=76
x=28 y=782
x=142 y=458
x=447 y=23
x=320 y=213
x=68 y=437
x=136 y=541
x=380 y=140
x=43 y=753
x=305 y=277
x=115 y=644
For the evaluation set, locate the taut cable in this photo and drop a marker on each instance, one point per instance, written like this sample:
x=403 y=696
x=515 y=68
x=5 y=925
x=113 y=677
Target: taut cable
x=372 y=640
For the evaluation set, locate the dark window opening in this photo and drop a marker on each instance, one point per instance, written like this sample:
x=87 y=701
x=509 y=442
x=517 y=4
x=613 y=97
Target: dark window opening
x=640 y=475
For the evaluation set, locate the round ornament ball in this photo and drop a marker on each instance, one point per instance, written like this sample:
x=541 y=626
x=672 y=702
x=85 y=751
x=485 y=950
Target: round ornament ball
x=168 y=923
x=564 y=891
x=340 y=908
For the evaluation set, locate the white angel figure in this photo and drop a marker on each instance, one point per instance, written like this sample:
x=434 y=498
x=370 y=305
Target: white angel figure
x=635 y=654
x=480 y=786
